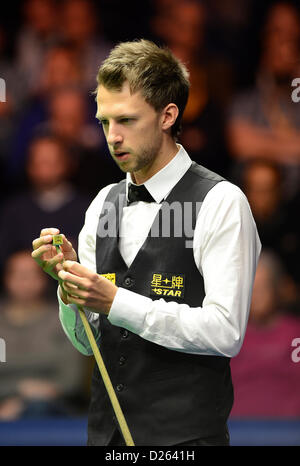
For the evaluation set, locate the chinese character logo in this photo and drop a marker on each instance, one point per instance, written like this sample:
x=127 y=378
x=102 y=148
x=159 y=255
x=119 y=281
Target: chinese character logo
x=167 y=284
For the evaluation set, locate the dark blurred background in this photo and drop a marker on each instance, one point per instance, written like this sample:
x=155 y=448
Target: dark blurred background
x=240 y=121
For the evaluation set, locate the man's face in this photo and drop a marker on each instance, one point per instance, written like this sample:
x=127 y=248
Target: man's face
x=131 y=127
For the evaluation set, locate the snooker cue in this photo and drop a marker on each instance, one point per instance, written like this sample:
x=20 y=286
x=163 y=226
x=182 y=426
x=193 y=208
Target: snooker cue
x=57 y=241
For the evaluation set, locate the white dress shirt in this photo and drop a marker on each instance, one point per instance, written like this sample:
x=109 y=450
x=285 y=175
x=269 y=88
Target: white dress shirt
x=226 y=249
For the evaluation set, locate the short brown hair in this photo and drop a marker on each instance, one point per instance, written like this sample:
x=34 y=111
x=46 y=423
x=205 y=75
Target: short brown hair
x=154 y=71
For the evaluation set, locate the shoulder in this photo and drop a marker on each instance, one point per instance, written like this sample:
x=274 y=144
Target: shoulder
x=96 y=205
x=202 y=173
x=226 y=203
x=227 y=193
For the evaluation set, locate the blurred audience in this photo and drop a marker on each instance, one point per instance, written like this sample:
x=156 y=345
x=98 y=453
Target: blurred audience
x=9 y=110
x=61 y=68
x=81 y=27
x=203 y=120
x=228 y=21
x=54 y=160
x=265 y=377
x=71 y=120
x=275 y=220
x=38 y=32
x=59 y=49
x=49 y=200
x=43 y=374
x=68 y=119
x=264 y=121
x=61 y=73
x=63 y=108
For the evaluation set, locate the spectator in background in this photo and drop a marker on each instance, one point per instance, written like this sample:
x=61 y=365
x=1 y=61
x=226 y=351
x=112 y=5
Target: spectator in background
x=264 y=121
x=266 y=380
x=59 y=70
x=228 y=22
x=64 y=54
x=191 y=18
x=44 y=375
x=81 y=27
x=62 y=108
x=69 y=119
x=6 y=111
x=10 y=109
x=276 y=225
x=50 y=198
x=38 y=32
x=203 y=123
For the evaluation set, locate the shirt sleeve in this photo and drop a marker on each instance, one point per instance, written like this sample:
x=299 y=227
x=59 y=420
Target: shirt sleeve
x=73 y=326
x=226 y=250
x=68 y=314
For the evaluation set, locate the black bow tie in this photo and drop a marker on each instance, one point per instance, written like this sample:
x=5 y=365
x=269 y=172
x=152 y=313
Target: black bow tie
x=138 y=193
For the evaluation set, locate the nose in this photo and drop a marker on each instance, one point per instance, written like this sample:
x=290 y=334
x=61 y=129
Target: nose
x=114 y=136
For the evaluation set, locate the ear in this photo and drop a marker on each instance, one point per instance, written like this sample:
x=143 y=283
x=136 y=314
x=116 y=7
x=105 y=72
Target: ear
x=169 y=115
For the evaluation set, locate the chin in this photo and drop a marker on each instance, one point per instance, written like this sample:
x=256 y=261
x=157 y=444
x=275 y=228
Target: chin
x=125 y=169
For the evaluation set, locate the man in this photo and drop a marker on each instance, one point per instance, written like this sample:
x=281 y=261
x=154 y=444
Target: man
x=176 y=307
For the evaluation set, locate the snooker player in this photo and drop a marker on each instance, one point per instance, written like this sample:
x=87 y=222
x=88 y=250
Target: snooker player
x=167 y=263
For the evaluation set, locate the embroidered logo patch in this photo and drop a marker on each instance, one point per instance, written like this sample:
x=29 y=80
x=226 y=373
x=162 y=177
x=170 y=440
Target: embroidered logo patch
x=167 y=284
x=110 y=276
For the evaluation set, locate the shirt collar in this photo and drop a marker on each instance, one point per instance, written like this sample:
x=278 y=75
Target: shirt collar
x=160 y=184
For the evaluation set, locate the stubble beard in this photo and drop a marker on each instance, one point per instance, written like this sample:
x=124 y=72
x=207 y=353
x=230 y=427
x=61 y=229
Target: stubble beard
x=143 y=158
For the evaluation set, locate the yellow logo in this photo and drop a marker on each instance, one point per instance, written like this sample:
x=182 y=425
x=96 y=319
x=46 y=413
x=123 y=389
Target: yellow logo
x=110 y=276
x=57 y=240
x=167 y=284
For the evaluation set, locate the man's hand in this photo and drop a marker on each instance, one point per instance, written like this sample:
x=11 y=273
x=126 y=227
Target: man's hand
x=85 y=288
x=45 y=254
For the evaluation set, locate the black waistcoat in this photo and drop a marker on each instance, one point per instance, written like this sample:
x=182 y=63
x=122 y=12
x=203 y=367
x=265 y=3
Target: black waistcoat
x=167 y=396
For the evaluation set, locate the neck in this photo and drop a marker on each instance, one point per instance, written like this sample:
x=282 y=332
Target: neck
x=166 y=153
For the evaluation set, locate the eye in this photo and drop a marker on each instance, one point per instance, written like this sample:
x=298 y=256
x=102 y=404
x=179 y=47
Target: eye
x=126 y=121
x=103 y=122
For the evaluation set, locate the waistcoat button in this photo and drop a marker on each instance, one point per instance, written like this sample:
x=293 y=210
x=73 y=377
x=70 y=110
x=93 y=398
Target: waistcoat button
x=124 y=333
x=120 y=387
x=128 y=282
x=122 y=360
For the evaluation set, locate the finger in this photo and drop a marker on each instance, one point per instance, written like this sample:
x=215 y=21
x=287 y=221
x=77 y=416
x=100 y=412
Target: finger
x=75 y=300
x=74 y=291
x=67 y=245
x=55 y=260
x=37 y=253
x=49 y=231
x=47 y=239
x=68 y=286
x=77 y=269
x=52 y=265
x=79 y=282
